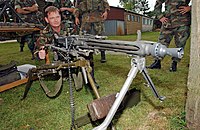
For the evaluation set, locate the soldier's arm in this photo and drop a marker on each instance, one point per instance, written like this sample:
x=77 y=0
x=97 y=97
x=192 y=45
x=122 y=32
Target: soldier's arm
x=107 y=8
x=185 y=9
x=67 y=9
x=67 y=6
x=33 y=8
x=42 y=40
x=27 y=10
x=76 y=15
x=21 y=11
x=106 y=5
x=158 y=9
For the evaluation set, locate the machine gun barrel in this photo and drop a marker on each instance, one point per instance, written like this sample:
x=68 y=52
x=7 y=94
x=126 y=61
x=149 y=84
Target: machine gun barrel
x=140 y=48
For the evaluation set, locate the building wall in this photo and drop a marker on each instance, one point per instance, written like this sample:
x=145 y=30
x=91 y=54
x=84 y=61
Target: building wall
x=116 y=13
x=114 y=27
x=123 y=22
x=133 y=22
x=147 y=24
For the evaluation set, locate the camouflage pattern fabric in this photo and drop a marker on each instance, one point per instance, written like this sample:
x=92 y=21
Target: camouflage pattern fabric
x=64 y=3
x=95 y=28
x=47 y=35
x=91 y=11
x=171 y=12
x=181 y=34
x=33 y=17
x=178 y=25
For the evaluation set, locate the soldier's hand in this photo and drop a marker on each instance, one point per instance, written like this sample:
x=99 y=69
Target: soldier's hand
x=184 y=9
x=104 y=15
x=164 y=20
x=42 y=53
x=77 y=22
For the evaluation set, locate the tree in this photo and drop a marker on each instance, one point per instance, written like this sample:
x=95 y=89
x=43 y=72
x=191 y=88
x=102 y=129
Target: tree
x=141 y=6
x=193 y=94
x=138 y=6
x=128 y=4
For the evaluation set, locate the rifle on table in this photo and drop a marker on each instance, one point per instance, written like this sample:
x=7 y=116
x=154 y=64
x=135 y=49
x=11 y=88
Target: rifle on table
x=80 y=47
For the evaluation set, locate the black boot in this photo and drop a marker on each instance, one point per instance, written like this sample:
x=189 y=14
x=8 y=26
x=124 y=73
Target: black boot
x=103 y=57
x=21 y=49
x=33 y=57
x=92 y=72
x=173 y=67
x=155 y=65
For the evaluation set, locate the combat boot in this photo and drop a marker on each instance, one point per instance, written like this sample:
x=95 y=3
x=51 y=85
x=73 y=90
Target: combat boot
x=155 y=65
x=173 y=67
x=103 y=57
x=21 y=49
x=33 y=56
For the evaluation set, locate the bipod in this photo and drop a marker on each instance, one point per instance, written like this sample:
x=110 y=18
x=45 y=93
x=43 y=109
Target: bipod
x=137 y=64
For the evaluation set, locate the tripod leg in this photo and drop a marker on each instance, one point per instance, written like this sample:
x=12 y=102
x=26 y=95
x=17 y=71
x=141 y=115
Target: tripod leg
x=28 y=85
x=119 y=98
x=149 y=81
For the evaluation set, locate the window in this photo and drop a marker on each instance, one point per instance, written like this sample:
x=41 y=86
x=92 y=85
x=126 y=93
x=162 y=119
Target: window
x=133 y=17
x=129 y=17
x=147 y=21
x=143 y=21
x=151 y=22
x=138 y=19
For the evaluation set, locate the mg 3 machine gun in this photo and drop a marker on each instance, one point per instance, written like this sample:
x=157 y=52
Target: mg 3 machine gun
x=75 y=50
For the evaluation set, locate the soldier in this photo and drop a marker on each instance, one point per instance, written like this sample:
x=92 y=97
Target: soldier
x=67 y=10
x=176 y=22
x=55 y=26
x=28 y=11
x=94 y=13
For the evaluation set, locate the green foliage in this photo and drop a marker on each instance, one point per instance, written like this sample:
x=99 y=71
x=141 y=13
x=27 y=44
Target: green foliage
x=179 y=122
x=141 y=6
x=128 y=4
x=41 y=113
x=138 y=6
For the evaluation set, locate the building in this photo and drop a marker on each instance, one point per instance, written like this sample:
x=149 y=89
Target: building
x=123 y=22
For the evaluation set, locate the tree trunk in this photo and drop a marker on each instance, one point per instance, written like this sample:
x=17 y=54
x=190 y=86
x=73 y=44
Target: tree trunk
x=193 y=95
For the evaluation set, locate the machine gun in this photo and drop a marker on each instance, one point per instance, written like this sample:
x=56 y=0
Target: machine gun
x=78 y=48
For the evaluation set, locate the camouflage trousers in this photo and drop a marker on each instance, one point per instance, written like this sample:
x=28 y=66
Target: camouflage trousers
x=30 y=39
x=180 y=35
x=95 y=28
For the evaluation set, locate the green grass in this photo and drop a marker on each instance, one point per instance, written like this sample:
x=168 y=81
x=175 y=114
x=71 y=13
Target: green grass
x=41 y=113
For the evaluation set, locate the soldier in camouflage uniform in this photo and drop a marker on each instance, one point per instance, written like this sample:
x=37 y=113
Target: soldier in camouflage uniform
x=94 y=13
x=67 y=10
x=176 y=22
x=55 y=26
x=28 y=11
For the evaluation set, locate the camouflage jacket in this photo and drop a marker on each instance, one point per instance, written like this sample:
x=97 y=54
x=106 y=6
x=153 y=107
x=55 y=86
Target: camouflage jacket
x=47 y=34
x=91 y=10
x=171 y=12
x=64 y=3
x=30 y=17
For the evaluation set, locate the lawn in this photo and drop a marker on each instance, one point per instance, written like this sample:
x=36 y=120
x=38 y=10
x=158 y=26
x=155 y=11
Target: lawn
x=38 y=112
